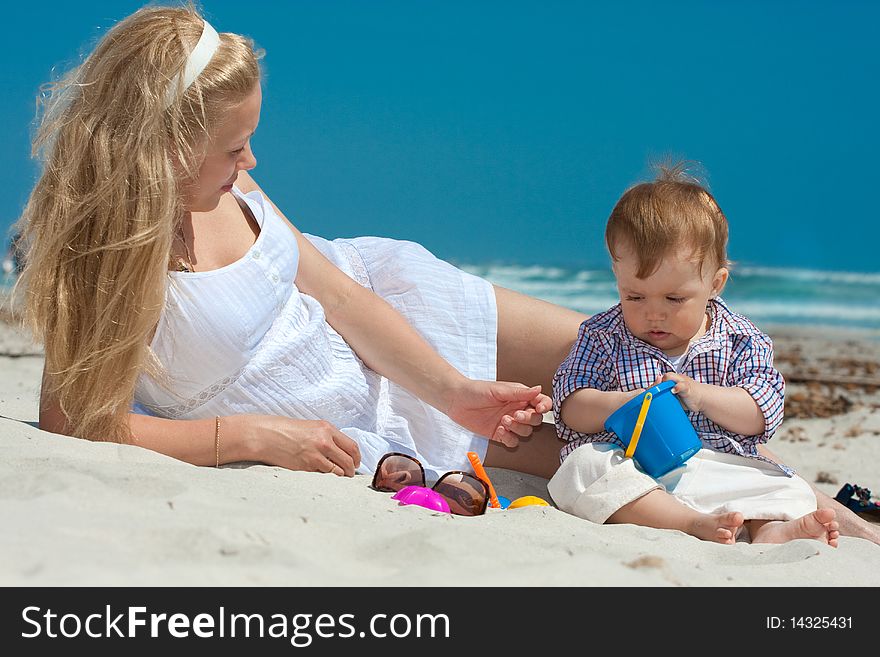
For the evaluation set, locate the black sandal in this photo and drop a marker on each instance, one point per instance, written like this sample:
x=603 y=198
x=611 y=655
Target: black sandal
x=858 y=500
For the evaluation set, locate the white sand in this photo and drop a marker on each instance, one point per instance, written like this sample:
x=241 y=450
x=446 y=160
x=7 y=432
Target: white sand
x=81 y=513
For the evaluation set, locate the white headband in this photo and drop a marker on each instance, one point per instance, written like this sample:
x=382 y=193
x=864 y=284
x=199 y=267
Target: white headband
x=195 y=63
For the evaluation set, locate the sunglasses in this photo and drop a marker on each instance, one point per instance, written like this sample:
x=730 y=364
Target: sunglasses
x=466 y=494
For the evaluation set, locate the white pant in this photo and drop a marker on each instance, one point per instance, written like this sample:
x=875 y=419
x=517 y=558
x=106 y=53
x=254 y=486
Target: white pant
x=596 y=480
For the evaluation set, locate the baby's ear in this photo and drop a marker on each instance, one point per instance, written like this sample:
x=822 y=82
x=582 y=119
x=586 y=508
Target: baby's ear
x=719 y=281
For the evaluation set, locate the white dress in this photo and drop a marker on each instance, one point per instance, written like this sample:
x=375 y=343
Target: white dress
x=244 y=339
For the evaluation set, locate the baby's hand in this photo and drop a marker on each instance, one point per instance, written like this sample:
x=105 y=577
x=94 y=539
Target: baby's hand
x=690 y=392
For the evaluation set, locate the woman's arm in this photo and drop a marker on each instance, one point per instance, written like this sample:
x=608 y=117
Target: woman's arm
x=389 y=345
x=311 y=445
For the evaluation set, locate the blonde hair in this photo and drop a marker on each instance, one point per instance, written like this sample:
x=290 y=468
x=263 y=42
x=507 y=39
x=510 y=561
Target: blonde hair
x=97 y=229
x=675 y=210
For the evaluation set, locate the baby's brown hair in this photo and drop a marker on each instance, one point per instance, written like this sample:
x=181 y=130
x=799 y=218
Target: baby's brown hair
x=674 y=210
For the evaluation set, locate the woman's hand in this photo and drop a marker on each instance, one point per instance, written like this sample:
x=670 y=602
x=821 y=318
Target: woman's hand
x=499 y=410
x=309 y=445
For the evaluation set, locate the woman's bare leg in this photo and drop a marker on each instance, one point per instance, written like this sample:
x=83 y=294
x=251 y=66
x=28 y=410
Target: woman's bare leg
x=849 y=523
x=538 y=454
x=534 y=337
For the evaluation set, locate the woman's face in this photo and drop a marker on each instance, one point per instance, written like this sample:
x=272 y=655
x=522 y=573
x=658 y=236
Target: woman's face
x=228 y=151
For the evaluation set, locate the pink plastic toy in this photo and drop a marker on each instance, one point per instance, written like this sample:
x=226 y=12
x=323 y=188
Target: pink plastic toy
x=421 y=496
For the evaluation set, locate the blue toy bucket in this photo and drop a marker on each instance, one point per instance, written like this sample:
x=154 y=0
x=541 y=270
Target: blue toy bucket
x=668 y=438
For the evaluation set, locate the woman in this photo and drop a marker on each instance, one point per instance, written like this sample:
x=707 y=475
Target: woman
x=158 y=275
x=299 y=363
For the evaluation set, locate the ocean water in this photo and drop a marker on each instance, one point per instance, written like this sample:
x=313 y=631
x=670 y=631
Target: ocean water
x=768 y=296
x=800 y=297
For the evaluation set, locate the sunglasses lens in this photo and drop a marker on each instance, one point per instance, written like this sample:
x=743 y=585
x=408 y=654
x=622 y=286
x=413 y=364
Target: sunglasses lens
x=466 y=494
x=397 y=472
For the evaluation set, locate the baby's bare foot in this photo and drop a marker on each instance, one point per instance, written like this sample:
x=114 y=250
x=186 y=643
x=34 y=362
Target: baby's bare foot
x=820 y=525
x=720 y=528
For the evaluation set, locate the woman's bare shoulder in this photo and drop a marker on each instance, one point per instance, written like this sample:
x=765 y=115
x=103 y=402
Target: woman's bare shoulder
x=247 y=184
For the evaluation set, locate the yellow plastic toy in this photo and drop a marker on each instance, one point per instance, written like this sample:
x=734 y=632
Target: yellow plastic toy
x=527 y=500
x=640 y=423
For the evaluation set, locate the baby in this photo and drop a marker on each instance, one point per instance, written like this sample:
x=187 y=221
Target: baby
x=668 y=243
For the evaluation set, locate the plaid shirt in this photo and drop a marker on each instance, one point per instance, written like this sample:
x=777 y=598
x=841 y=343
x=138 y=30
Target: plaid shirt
x=733 y=352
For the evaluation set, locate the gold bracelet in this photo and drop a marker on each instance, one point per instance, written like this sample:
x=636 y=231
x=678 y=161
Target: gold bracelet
x=217 y=440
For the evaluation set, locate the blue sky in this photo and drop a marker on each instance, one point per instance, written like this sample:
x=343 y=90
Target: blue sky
x=505 y=131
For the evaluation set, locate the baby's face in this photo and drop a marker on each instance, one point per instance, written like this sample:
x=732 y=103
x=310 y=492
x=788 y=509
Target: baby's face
x=668 y=308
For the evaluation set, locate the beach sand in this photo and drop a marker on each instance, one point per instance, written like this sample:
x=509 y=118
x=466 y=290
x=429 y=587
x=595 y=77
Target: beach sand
x=77 y=513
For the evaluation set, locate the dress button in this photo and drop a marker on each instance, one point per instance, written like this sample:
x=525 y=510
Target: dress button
x=275 y=278
x=257 y=254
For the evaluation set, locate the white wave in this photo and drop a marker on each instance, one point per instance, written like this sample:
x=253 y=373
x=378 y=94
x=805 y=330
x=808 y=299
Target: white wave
x=843 y=313
x=564 y=288
x=745 y=271
x=592 y=275
x=811 y=275
x=754 y=309
x=518 y=271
